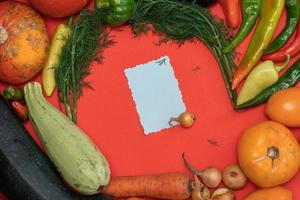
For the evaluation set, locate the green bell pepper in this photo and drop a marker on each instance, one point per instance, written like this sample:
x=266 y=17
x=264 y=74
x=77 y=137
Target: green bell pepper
x=119 y=11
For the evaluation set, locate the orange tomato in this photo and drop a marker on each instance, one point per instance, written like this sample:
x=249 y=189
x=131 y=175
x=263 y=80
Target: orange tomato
x=269 y=154
x=284 y=107
x=276 y=193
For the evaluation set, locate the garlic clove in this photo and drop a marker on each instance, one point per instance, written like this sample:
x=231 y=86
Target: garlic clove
x=223 y=194
x=199 y=191
x=205 y=193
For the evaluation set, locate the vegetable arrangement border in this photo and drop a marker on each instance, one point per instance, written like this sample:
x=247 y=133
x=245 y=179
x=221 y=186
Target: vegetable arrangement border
x=173 y=20
x=82 y=165
x=178 y=21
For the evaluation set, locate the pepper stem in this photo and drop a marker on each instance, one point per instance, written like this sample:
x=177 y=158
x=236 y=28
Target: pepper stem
x=280 y=67
x=70 y=22
x=3 y=35
x=102 y=3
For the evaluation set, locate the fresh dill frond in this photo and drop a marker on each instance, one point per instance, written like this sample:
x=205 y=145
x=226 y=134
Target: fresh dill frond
x=88 y=38
x=180 y=21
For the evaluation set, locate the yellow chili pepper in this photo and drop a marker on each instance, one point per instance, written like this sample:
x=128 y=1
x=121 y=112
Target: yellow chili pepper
x=58 y=42
x=261 y=77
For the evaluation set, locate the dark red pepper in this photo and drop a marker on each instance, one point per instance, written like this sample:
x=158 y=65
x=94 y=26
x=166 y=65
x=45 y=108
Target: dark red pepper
x=20 y=110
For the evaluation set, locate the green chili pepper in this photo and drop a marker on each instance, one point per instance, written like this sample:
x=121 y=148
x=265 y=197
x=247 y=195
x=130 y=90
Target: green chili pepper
x=293 y=12
x=12 y=93
x=250 y=10
x=289 y=79
x=119 y=11
x=270 y=14
x=262 y=76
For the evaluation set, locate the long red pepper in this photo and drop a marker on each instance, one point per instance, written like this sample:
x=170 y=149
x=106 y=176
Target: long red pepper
x=232 y=11
x=292 y=49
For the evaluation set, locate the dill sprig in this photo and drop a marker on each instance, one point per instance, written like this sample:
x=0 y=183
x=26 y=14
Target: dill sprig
x=180 y=21
x=88 y=38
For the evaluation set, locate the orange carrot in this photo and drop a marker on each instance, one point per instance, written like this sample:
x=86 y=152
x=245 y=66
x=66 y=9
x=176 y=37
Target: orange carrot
x=139 y=198
x=21 y=110
x=172 y=186
x=232 y=11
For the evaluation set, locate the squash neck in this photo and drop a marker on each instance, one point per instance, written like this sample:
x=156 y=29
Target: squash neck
x=3 y=35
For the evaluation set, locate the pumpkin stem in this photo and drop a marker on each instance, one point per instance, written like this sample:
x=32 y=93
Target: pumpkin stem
x=273 y=153
x=3 y=35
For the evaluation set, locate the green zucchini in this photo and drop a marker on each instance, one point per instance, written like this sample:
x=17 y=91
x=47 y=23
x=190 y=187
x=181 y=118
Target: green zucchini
x=26 y=173
x=75 y=156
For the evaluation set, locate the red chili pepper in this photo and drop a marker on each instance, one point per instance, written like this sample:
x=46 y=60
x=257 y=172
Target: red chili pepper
x=232 y=12
x=293 y=48
x=21 y=110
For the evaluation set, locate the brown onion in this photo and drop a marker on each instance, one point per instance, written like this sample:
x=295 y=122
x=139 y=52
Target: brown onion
x=233 y=177
x=211 y=176
x=185 y=119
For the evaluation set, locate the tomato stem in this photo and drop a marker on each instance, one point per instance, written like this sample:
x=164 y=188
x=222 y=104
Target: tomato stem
x=273 y=153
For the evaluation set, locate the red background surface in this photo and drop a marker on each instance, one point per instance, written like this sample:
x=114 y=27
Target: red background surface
x=109 y=117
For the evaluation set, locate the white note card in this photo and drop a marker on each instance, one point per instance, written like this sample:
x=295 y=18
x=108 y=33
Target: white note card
x=156 y=94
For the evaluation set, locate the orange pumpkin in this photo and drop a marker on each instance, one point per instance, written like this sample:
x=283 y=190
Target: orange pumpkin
x=269 y=154
x=284 y=107
x=276 y=193
x=24 y=42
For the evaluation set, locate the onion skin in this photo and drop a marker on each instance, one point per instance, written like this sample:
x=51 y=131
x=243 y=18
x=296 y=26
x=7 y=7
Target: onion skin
x=223 y=194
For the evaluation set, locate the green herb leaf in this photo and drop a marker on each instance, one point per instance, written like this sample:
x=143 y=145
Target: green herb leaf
x=180 y=21
x=89 y=36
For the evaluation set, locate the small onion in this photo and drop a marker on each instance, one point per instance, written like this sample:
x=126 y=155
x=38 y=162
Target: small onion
x=185 y=119
x=211 y=176
x=233 y=177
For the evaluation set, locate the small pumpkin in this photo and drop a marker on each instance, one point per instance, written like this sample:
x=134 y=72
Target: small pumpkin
x=24 y=42
x=269 y=154
x=276 y=193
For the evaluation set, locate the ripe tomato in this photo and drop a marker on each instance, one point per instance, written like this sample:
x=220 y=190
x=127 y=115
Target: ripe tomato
x=284 y=107
x=269 y=154
x=58 y=8
x=278 y=193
